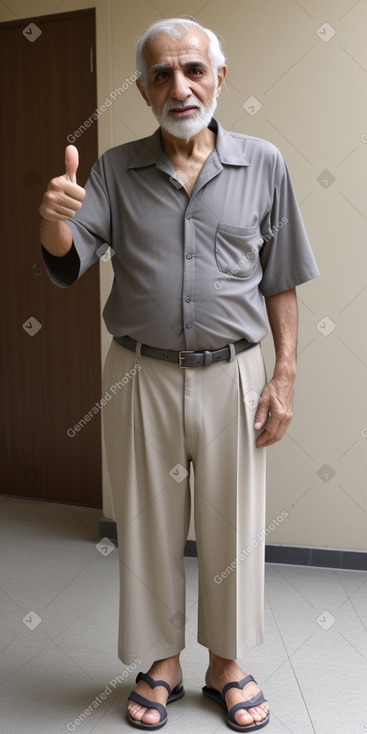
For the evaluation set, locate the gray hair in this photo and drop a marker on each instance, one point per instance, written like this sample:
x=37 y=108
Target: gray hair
x=178 y=27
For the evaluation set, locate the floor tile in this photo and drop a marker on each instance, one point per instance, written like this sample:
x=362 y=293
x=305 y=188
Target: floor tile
x=59 y=669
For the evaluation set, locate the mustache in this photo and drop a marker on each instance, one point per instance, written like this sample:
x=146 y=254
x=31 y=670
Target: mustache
x=191 y=101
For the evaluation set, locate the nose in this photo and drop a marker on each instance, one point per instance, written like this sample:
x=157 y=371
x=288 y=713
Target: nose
x=180 y=86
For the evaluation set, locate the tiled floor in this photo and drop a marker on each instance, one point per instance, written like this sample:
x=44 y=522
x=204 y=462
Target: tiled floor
x=58 y=625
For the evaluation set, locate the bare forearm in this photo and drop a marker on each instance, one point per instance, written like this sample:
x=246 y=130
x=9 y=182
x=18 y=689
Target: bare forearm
x=274 y=411
x=283 y=319
x=56 y=237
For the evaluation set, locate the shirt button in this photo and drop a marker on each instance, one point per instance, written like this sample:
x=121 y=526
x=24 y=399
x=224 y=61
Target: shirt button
x=188 y=216
x=189 y=256
x=188 y=299
x=188 y=325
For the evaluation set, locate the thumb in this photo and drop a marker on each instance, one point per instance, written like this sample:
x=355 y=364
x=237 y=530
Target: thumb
x=71 y=162
x=262 y=413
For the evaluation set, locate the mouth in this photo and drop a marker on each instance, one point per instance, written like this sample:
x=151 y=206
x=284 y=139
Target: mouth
x=183 y=111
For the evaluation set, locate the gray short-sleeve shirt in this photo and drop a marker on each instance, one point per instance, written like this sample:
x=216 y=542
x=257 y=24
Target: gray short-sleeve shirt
x=190 y=272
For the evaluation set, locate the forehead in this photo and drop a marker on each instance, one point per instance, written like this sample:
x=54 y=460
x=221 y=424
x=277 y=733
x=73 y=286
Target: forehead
x=172 y=49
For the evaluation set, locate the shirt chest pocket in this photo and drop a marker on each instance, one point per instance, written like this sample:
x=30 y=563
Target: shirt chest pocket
x=237 y=249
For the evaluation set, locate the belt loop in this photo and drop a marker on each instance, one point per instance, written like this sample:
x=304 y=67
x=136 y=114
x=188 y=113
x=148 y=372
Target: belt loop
x=232 y=352
x=138 y=350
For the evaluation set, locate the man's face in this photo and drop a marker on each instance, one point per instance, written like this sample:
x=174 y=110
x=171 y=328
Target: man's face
x=181 y=86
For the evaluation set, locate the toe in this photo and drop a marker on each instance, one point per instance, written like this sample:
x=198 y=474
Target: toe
x=135 y=711
x=258 y=713
x=151 y=716
x=147 y=716
x=243 y=717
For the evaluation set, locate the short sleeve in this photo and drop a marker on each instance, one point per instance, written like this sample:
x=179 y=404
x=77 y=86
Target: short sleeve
x=286 y=255
x=62 y=271
x=90 y=228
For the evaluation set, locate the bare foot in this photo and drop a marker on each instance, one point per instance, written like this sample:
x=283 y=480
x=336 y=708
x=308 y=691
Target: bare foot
x=169 y=670
x=222 y=671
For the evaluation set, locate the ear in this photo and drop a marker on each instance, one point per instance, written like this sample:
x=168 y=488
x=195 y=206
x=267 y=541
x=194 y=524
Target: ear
x=221 y=75
x=141 y=88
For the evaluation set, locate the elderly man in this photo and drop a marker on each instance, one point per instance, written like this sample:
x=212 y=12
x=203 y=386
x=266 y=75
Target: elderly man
x=207 y=238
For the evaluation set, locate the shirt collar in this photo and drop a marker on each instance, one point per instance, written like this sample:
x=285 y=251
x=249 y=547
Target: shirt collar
x=228 y=149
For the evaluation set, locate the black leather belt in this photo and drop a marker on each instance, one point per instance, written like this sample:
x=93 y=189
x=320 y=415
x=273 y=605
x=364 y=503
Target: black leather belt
x=186 y=357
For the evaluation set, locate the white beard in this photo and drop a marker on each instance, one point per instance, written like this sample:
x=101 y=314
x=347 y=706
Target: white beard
x=186 y=128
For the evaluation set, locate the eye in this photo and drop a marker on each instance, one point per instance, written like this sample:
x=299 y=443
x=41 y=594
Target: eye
x=196 y=71
x=162 y=75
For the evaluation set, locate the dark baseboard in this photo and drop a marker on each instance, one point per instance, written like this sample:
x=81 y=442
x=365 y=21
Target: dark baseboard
x=107 y=529
x=285 y=554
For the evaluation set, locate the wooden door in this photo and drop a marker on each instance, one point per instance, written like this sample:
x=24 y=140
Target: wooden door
x=50 y=336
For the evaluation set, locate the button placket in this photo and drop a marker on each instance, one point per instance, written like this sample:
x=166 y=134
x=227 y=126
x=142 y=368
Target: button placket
x=189 y=279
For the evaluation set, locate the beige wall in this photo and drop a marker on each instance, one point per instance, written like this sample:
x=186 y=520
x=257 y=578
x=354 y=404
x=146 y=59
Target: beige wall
x=312 y=88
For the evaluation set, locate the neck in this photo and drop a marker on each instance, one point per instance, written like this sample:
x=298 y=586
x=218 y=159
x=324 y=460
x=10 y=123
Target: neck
x=197 y=145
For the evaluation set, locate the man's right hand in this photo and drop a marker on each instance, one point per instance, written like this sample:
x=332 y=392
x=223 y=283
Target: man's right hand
x=63 y=196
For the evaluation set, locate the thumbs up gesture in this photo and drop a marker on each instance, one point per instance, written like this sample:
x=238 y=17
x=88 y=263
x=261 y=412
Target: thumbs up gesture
x=63 y=196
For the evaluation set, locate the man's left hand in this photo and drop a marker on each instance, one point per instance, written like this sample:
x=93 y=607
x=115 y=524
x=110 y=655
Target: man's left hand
x=274 y=411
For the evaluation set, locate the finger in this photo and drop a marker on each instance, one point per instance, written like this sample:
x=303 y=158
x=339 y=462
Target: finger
x=274 y=431
x=71 y=162
x=56 y=214
x=62 y=187
x=262 y=413
x=64 y=213
x=267 y=440
x=56 y=205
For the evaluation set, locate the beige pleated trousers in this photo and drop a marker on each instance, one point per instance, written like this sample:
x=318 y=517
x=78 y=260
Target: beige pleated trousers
x=158 y=420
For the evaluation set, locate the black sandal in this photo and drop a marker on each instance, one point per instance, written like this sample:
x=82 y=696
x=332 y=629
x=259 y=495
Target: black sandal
x=173 y=695
x=249 y=704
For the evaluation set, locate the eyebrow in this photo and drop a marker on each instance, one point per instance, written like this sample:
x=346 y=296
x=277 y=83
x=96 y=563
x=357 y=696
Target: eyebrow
x=188 y=65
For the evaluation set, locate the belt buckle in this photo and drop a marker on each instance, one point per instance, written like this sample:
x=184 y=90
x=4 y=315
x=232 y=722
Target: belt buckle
x=181 y=356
